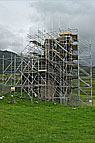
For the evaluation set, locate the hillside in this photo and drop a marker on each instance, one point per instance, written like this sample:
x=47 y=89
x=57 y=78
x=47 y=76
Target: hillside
x=7 y=54
x=45 y=122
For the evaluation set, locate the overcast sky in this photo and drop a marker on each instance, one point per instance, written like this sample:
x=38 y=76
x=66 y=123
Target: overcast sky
x=16 y=17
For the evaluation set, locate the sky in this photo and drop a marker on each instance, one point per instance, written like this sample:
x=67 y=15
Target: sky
x=17 y=17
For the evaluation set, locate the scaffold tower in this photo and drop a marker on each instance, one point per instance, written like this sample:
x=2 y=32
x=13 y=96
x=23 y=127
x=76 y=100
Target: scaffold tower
x=53 y=67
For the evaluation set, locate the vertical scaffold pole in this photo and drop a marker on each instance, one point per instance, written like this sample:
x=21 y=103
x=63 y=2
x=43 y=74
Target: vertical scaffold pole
x=38 y=80
x=11 y=69
x=14 y=71
x=3 y=77
x=91 y=69
x=78 y=74
x=21 y=74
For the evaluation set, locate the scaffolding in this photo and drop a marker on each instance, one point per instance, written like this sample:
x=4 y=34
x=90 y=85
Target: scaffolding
x=52 y=67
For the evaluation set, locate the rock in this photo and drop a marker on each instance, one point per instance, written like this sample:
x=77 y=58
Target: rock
x=14 y=101
x=74 y=108
x=1 y=97
x=36 y=102
x=9 y=102
x=22 y=97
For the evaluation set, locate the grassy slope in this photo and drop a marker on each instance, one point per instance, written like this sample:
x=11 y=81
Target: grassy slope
x=45 y=123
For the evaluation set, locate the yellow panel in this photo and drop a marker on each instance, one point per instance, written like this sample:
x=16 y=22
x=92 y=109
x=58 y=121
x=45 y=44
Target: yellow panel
x=42 y=70
x=61 y=34
x=56 y=51
x=68 y=33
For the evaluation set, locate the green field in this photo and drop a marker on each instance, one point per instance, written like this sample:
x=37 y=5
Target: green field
x=27 y=122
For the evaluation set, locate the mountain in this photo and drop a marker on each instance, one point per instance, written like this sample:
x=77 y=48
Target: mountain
x=7 y=55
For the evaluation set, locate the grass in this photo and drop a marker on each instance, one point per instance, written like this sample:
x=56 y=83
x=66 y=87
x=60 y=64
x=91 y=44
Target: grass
x=26 y=122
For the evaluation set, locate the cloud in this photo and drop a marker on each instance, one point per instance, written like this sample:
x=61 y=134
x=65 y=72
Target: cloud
x=16 y=17
x=9 y=40
x=68 y=14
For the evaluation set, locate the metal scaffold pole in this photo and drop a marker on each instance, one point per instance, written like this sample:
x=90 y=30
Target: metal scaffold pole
x=3 y=77
x=90 y=46
x=14 y=72
x=79 y=75
x=21 y=73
